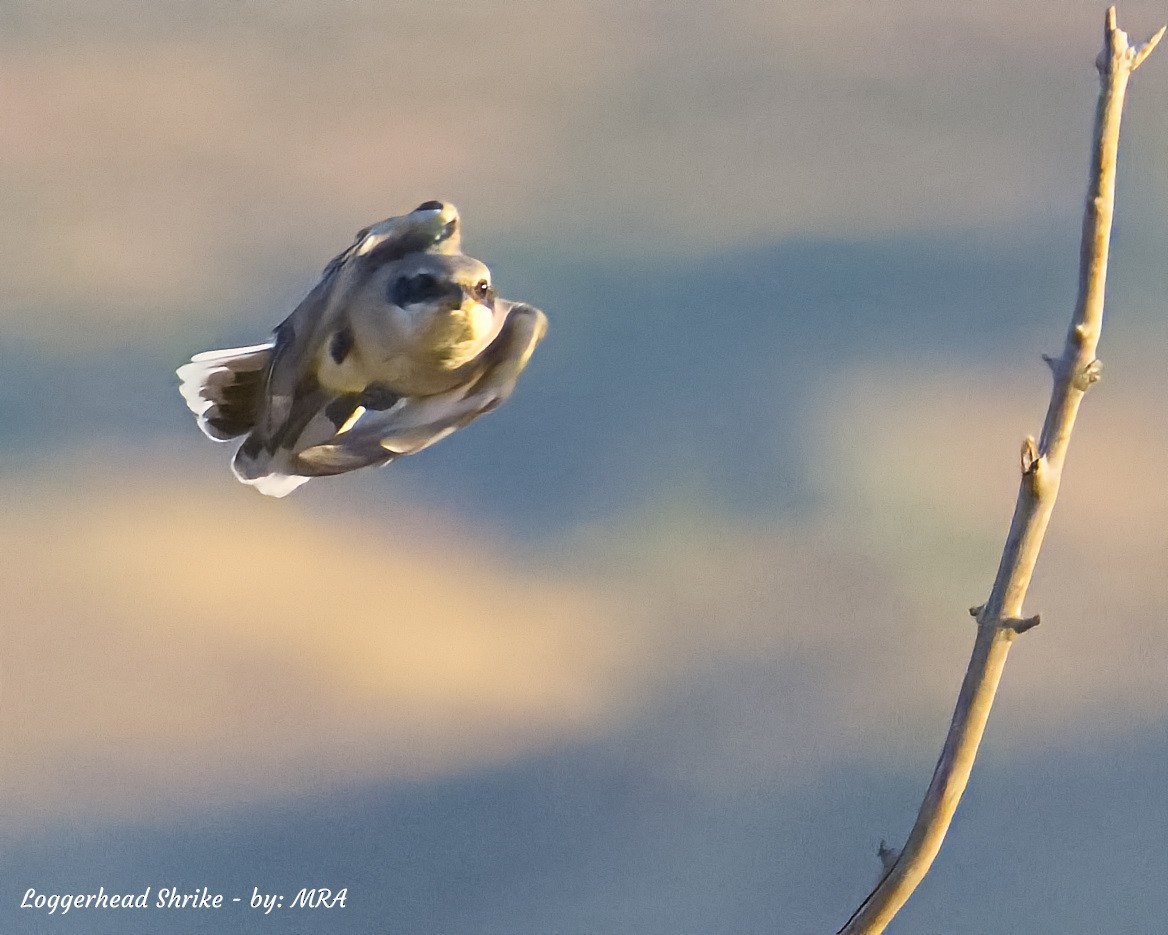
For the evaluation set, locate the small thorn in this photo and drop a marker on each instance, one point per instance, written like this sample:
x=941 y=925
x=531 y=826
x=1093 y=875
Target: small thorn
x=1024 y=624
x=888 y=855
x=976 y=611
x=1051 y=362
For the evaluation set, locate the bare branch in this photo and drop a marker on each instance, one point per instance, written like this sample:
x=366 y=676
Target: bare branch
x=1000 y=619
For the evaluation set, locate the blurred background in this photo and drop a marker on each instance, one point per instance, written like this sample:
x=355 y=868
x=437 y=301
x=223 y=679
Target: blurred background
x=669 y=643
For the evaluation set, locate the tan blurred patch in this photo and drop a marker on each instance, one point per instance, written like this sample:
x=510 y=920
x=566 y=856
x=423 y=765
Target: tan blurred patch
x=172 y=648
x=158 y=176
x=163 y=648
x=160 y=164
x=174 y=172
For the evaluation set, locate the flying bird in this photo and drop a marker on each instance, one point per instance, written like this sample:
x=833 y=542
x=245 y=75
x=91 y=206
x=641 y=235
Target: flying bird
x=402 y=341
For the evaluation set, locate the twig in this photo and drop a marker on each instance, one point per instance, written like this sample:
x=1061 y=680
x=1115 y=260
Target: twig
x=1000 y=620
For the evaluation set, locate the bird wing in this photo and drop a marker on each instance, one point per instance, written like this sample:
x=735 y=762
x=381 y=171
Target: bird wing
x=414 y=423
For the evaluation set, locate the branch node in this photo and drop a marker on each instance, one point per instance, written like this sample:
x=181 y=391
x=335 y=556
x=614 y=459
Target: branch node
x=1089 y=375
x=1082 y=332
x=1030 y=457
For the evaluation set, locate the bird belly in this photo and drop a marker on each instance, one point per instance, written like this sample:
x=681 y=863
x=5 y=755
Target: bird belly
x=434 y=358
x=404 y=373
x=347 y=375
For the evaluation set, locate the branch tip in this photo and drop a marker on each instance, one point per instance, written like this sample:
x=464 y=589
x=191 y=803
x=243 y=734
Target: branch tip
x=1109 y=20
x=1146 y=49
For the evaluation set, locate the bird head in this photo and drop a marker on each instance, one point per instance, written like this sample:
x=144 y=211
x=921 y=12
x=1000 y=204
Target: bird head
x=432 y=227
x=449 y=302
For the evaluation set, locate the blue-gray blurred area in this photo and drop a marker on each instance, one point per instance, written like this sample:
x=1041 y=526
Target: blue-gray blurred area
x=654 y=378
x=590 y=840
x=669 y=642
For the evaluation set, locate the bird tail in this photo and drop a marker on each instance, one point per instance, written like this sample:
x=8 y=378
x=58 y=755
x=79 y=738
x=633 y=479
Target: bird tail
x=224 y=389
x=272 y=473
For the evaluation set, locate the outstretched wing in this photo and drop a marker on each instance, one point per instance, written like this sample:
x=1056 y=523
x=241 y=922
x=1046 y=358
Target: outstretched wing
x=375 y=437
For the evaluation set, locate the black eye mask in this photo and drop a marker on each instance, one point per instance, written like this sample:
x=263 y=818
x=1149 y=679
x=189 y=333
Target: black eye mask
x=423 y=287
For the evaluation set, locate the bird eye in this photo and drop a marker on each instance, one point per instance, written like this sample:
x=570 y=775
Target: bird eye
x=482 y=289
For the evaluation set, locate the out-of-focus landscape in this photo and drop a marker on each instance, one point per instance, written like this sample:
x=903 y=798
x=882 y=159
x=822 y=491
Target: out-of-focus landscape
x=669 y=643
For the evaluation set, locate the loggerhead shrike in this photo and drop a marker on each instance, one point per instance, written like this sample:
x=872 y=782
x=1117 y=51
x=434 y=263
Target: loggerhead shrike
x=401 y=342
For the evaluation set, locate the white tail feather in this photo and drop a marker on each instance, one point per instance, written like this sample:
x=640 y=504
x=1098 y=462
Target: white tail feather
x=204 y=379
x=267 y=474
